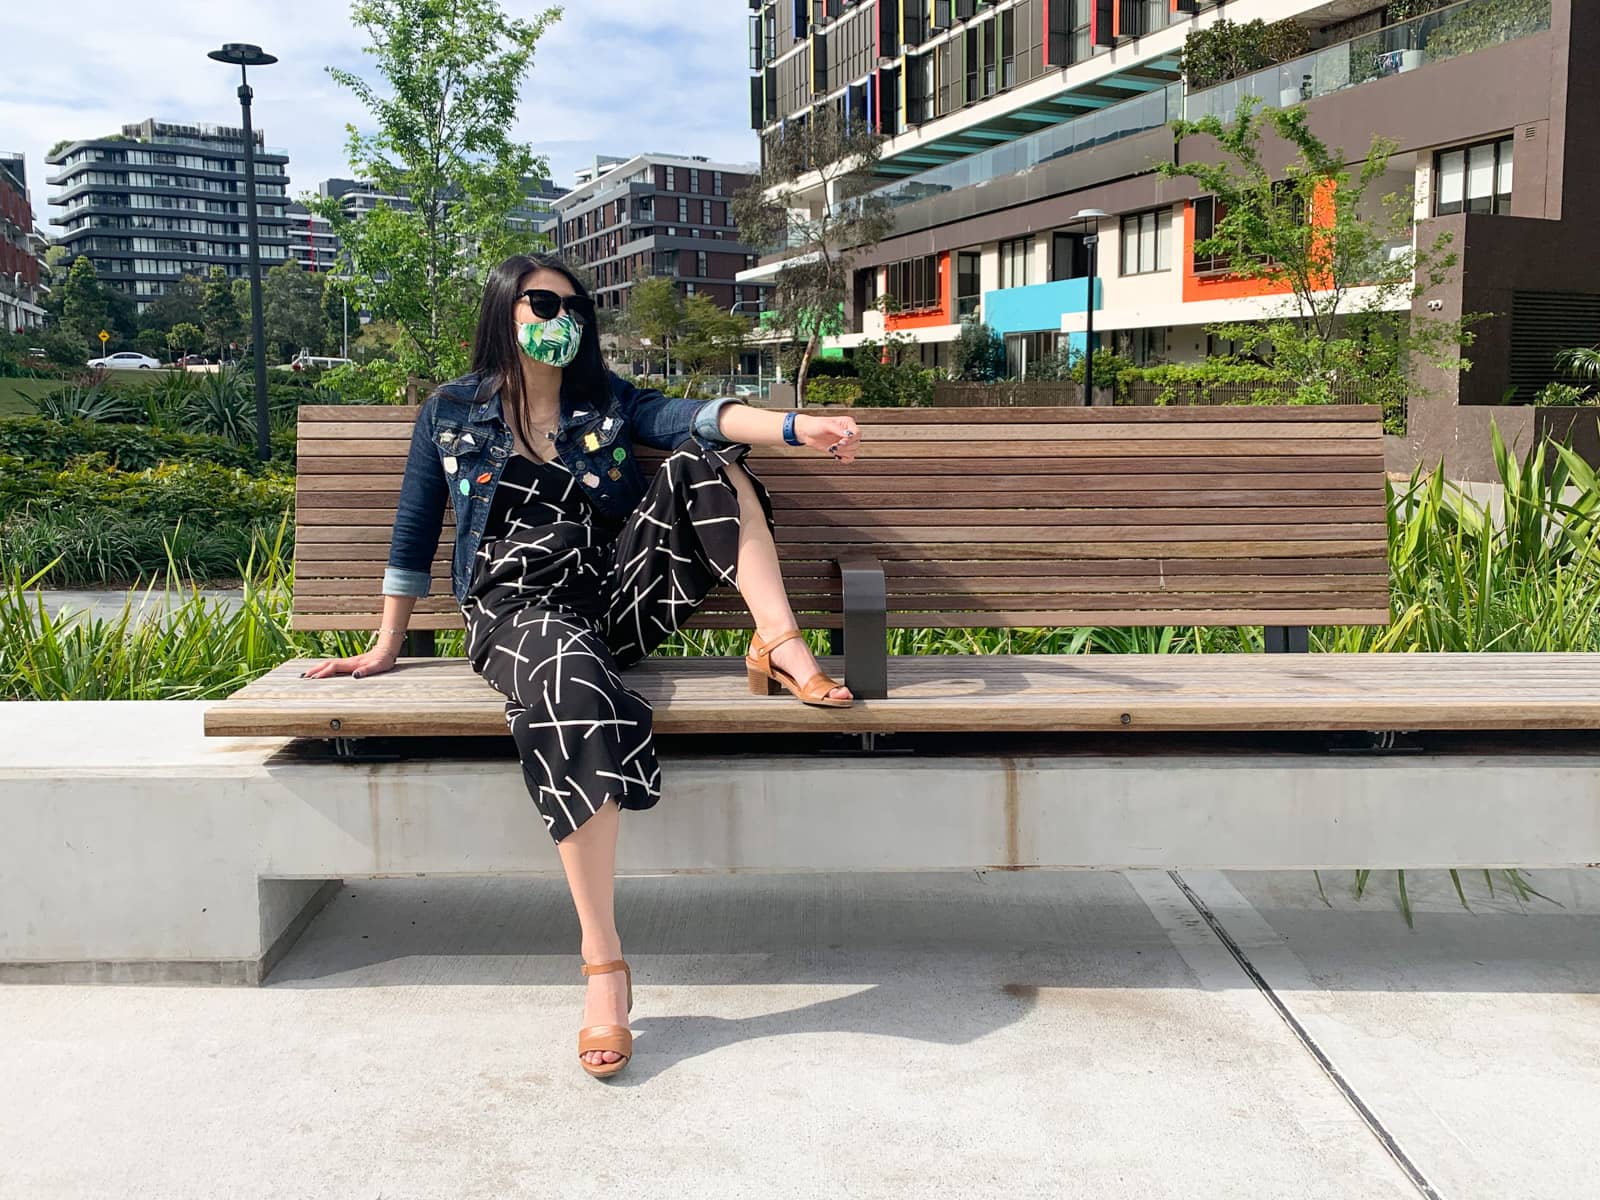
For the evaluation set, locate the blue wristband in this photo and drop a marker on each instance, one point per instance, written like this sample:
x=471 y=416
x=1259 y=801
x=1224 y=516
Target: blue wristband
x=788 y=429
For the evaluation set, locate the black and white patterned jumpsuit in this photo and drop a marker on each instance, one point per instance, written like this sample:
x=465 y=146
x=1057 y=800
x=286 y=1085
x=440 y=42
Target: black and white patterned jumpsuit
x=561 y=602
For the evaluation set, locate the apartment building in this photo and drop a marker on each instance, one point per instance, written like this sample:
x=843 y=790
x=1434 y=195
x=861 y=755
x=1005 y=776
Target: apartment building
x=1004 y=120
x=312 y=241
x=165 y=200
x=658 y=214
x=21 y=250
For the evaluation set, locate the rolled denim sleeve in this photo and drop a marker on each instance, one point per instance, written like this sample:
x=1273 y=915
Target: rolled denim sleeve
x=658 y=421
x=706 y=420
x=419 y=515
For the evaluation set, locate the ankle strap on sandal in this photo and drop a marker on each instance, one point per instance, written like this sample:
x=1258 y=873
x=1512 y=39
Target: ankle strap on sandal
x=758 y=647
x=616 y=964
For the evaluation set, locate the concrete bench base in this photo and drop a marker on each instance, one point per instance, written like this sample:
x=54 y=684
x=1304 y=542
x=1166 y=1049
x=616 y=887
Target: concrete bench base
x=137 y=850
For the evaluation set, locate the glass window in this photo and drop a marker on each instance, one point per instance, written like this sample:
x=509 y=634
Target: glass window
x=968 y=290
x=1015 y=262
x=694 y=180
x=1069 y=256
x=716 y=183
x=1147 y=242
x=700 y=264
x=683 y=209
x=672 y=179
x=1474 y=179
x=1207 y=212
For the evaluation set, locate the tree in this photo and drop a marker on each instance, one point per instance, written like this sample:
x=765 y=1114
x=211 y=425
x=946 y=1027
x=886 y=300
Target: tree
x=655 y=311
x=291 y=301
x=184 y=337
x=810 y=198
x=182 y=303
x=85 y=308
x=978 y=354
x=454 y=74
x=712 y=337
x=1343 y=256
x=220 y=312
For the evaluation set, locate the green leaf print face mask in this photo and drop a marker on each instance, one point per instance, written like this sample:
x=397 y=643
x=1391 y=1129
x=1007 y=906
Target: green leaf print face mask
x=554 y=341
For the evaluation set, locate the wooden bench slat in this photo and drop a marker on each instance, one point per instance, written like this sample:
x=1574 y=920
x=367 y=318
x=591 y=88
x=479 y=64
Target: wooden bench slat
x=993 y=589
x=1041 y=432
x=1158 y=693
x=1129 y=443
x=1072 y=517
x=1309 y=414
x=1369 y=465
x=1042 y=619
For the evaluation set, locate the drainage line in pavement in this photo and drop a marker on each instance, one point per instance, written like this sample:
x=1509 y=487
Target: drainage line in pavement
x=1413 y=1173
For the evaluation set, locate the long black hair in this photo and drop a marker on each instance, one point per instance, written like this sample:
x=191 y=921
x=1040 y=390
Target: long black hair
x=496 y=355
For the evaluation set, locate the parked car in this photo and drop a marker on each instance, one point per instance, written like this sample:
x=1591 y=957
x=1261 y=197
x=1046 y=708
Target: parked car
x=746 y=389
x=192 y=360
x=126 y=360
x=302 y=362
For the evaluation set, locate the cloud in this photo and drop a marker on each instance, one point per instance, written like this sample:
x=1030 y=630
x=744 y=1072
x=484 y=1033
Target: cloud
x=610 y=77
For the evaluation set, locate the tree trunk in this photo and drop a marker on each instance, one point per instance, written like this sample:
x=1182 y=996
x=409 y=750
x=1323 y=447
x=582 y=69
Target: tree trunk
x=803 y=370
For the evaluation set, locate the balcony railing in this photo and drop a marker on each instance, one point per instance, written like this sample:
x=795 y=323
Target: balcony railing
x=1445 y=34
x=1150 y=111
x=1441 y=35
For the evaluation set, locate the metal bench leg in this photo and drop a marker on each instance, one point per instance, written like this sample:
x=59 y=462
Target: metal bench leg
x=865 y=633
x=421 y=643
x=1287 y=639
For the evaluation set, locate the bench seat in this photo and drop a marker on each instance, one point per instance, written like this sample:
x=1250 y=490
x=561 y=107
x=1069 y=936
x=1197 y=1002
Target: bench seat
x=425 y=697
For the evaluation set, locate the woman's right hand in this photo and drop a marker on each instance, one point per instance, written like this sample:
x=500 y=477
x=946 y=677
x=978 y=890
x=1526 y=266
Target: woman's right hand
x=370 y=662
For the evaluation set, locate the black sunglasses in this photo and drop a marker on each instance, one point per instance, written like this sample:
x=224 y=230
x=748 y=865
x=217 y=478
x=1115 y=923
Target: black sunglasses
x=546 y=304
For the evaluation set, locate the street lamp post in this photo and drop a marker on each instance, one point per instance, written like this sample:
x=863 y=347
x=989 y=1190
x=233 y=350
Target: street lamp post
x=246 y=55
x=1091 y=241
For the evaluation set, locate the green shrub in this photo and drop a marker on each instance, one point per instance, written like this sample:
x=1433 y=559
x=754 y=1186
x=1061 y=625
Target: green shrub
x=109 y=525
x=54 y=444
x=84 y=403
x=187 y=490
x=978 y=355
x=1478 y=26
x=833 y=390
x=1227 y=50
x=1208 y=382
x=376 y=382
x=1559 y=394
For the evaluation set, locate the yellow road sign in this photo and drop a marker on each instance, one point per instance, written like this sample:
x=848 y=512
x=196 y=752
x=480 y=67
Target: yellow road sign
x=104 y=337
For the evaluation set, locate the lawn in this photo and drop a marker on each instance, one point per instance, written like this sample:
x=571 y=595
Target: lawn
x=14 y=394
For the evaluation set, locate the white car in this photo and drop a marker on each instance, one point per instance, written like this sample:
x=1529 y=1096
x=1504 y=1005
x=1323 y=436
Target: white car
x=126 y=360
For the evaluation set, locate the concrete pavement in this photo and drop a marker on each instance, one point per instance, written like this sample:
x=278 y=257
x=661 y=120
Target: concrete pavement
x=1036 y=1034
x=107 y=604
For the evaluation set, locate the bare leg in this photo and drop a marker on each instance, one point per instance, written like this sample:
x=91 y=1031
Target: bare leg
x=589 y=856
x=761 y=584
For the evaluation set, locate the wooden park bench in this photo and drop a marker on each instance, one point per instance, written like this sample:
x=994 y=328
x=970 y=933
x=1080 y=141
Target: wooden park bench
x=208 y=855
x=962 y=518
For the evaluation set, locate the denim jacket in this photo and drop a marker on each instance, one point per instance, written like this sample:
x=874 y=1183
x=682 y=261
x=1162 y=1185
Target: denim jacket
x=461 y=426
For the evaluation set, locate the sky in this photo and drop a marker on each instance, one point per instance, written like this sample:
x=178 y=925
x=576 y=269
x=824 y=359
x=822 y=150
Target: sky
x=611 y=77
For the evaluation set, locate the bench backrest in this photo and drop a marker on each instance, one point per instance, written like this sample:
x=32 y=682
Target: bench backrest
x=981 y=517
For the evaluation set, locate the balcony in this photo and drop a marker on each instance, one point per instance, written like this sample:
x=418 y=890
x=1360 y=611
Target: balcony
x=1448 y=33
x=1439 y=36
x=1037 y=307
x=1150 y=111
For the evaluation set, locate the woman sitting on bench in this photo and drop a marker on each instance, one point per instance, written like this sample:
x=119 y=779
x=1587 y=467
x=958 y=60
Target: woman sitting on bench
x=569 y=569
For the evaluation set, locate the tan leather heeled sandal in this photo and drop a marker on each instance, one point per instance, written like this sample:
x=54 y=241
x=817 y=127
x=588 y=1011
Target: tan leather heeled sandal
x=616 y=1038
x=766 y=679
